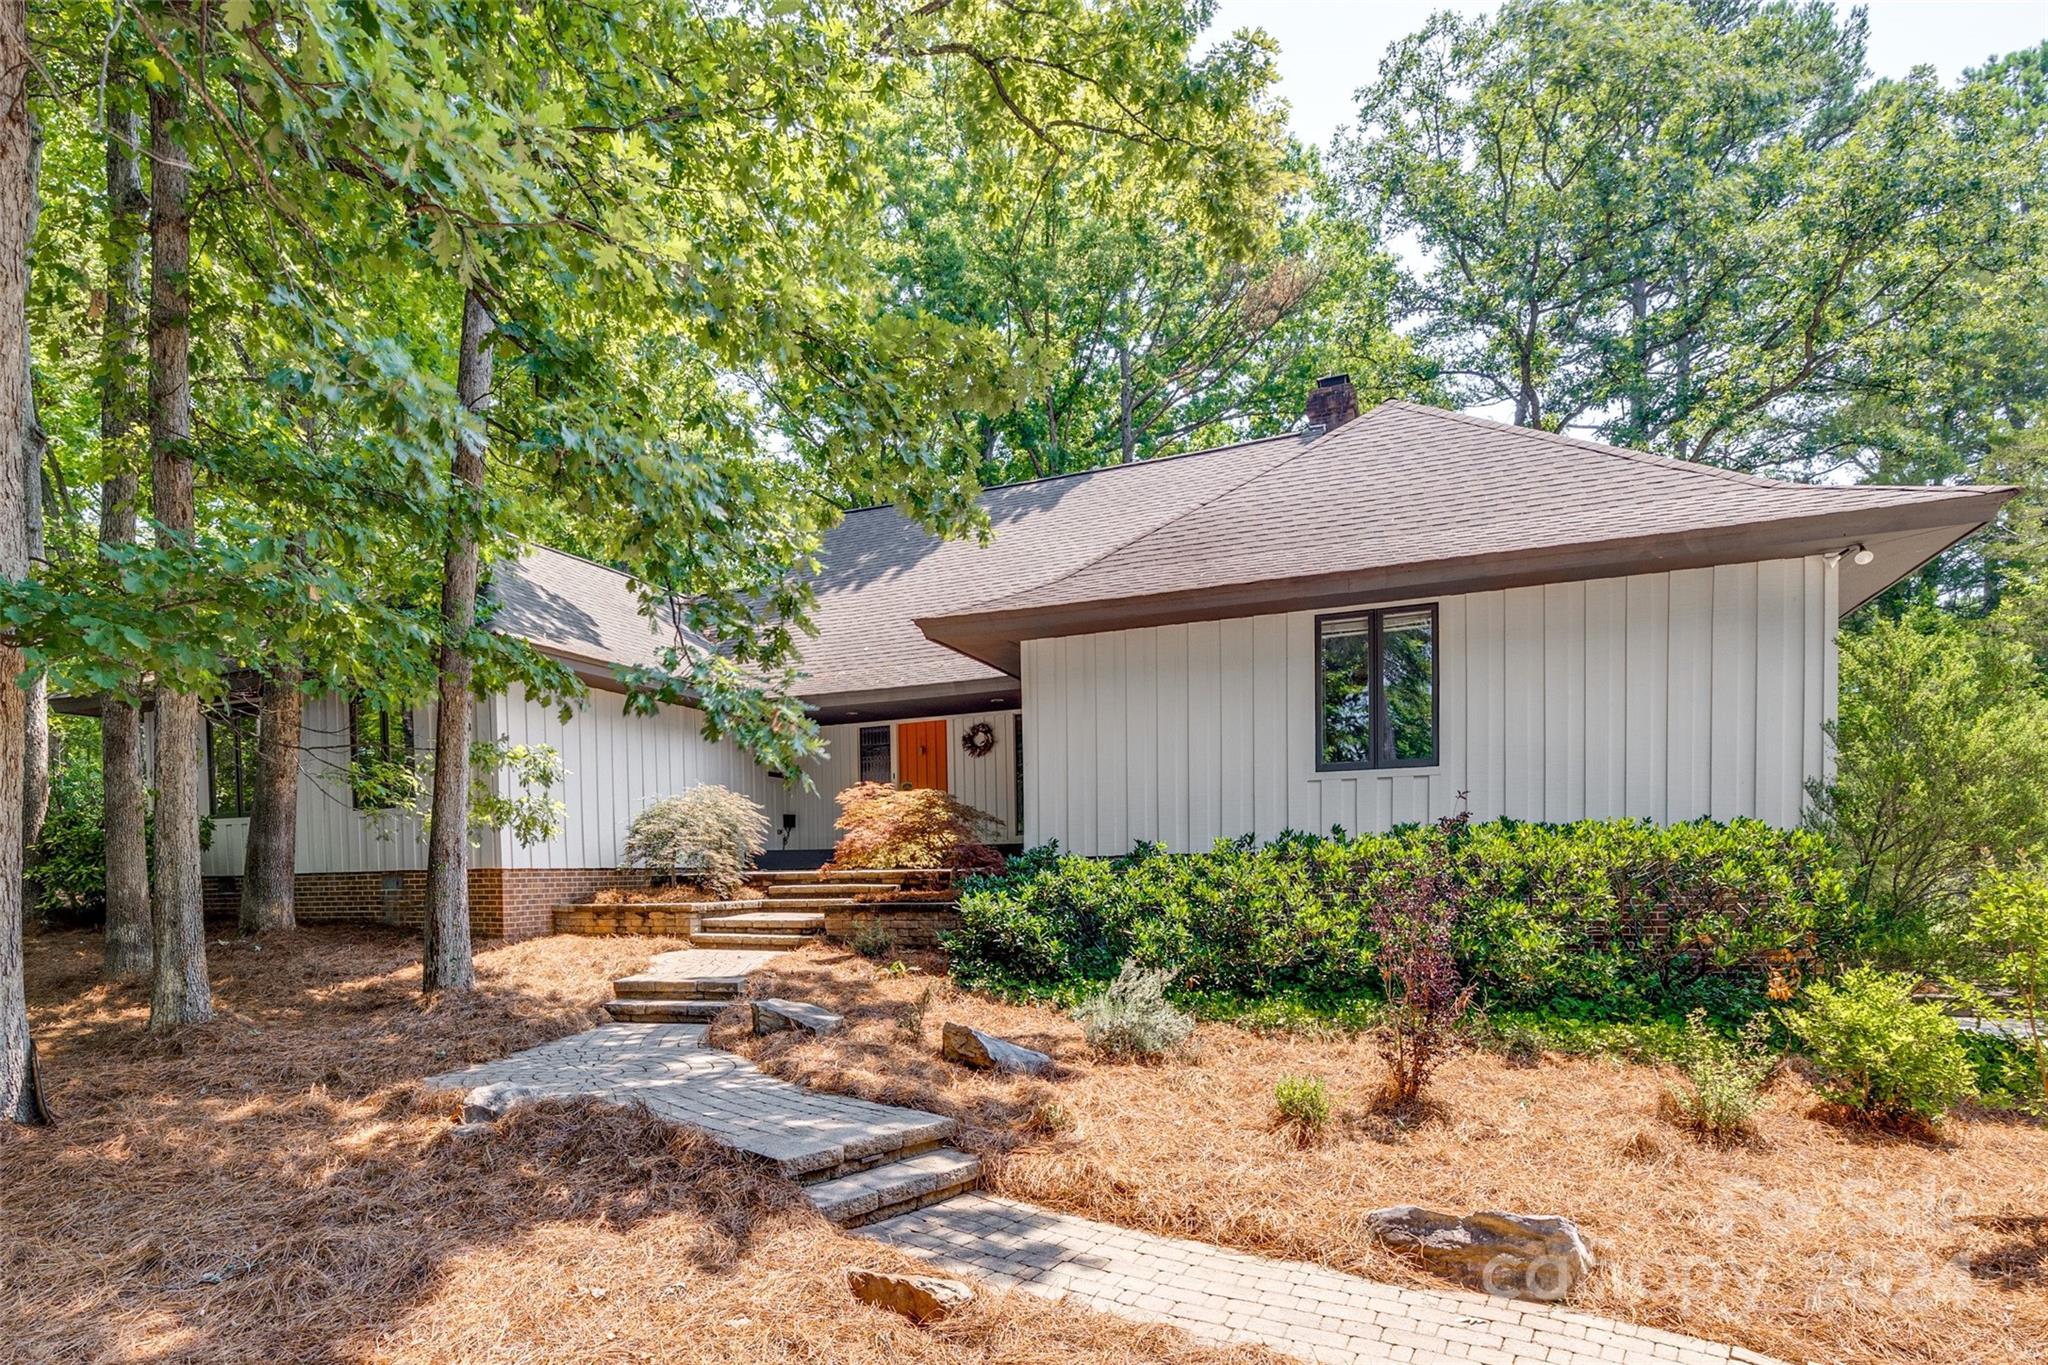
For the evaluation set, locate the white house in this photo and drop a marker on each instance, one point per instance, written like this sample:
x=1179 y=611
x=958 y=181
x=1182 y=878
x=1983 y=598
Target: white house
x=1360 y=625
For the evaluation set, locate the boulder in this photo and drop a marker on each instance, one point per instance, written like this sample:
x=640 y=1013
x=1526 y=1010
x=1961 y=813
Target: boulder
x=986 y=1052
x=779 y=1016
x=489 y=1103
x=921 y=1298
x=1515 y=1255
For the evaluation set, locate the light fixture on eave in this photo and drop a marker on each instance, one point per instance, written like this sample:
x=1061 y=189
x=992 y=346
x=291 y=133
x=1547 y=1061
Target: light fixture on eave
x=1858 y=554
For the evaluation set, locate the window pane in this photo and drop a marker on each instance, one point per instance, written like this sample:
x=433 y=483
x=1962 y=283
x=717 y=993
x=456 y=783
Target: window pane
x=1345 y=658
x=1408 y=674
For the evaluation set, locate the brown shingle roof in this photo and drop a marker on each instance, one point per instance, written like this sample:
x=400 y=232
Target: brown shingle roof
x=1405 y=498
x=1414 y=497
x=880 y=570
x=571 y=607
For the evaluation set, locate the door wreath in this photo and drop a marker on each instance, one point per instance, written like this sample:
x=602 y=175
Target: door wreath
x=979 y=738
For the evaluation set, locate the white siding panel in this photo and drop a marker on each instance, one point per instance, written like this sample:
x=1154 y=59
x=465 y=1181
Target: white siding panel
x=1564 y=699
x=1172 y=733
x=1523 y=734
x=1649 y=642
x=1204 y=734
x=1690 y=706
x=1234 y=728
x=1735 y=626
x=1617 y=696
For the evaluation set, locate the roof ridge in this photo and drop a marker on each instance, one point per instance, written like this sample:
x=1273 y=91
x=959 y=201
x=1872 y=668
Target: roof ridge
x=1307 y=445
x=1105 y=468
x=1598 y=447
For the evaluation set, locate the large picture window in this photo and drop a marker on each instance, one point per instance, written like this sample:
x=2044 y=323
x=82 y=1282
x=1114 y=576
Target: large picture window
x=231 y=761
x=1376 y=681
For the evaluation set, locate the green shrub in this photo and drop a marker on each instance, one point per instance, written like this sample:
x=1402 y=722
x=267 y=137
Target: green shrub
x=1302 y=1103
x=707 y=832
x=1599 y=920
x=1724 y=1078
x=1132 y=1017
x=1886 y=1056
x=873 y=940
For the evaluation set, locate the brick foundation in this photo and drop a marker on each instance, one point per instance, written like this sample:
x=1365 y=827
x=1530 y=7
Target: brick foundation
x=504 y=902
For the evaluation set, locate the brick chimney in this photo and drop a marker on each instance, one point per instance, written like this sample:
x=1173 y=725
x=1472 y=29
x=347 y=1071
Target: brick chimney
x=1331 y=403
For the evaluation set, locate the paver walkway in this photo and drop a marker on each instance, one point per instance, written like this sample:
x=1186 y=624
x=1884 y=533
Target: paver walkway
x=889 y=1159
x=667 y=1068
x=1305 y=1310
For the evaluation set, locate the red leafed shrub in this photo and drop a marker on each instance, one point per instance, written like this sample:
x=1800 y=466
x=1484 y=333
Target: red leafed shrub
x=1414 y=924
x=885 y=826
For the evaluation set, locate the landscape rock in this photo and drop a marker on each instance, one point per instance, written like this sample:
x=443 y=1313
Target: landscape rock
x=489 y=1103
x=1515 y=1255
x=780 y=1016
x=986 y=1052
x=921 y=1298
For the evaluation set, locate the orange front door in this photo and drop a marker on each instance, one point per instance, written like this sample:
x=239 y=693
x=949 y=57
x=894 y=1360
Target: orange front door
x=921 y=754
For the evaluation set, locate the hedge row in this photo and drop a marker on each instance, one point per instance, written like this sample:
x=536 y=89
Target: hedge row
x=1620 y=916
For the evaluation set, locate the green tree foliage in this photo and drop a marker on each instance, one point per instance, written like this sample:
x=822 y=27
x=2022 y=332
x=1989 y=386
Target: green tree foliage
x=1145 y=324
x=2004 y=943
x=1942 y=739
x=1697 y=230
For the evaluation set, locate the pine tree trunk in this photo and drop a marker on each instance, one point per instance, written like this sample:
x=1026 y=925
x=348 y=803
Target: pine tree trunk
x=179 y=993
x=129 y=951
x=35 y=785
x=269 y=860
x=20 y=1098
x=446 y=963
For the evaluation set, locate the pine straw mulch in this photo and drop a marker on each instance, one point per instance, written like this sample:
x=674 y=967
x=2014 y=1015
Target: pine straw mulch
x=1808 y=1242
x=279 y=1186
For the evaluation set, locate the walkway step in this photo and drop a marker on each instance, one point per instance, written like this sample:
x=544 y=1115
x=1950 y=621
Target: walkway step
x=787 y=921
x=778 y=890
x=895 y=1187
x=791 y=903
x=667 y=1068
x=645 y=1011
x=765 y=942
x=648 y=987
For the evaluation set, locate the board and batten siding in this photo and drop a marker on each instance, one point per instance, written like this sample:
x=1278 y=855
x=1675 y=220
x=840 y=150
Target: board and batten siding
x=615 y=765
x=333 y=836
x=1666 y=696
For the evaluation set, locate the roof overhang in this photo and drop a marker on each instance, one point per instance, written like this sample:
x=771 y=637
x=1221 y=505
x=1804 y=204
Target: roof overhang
x=1903 y=537
x=924 y=699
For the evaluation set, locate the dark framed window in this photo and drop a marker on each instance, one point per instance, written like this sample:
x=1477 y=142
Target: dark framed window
x=231 y=761
x=1376 y=689
x=875 y=765
x=379 y=740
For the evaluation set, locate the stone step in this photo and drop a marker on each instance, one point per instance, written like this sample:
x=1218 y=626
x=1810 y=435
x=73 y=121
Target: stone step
x=764 y=942
x=789 y=904
x=772 y=921
x=643 y=1011
x=779 y=890
x=896 y=1186
x=677 y=988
